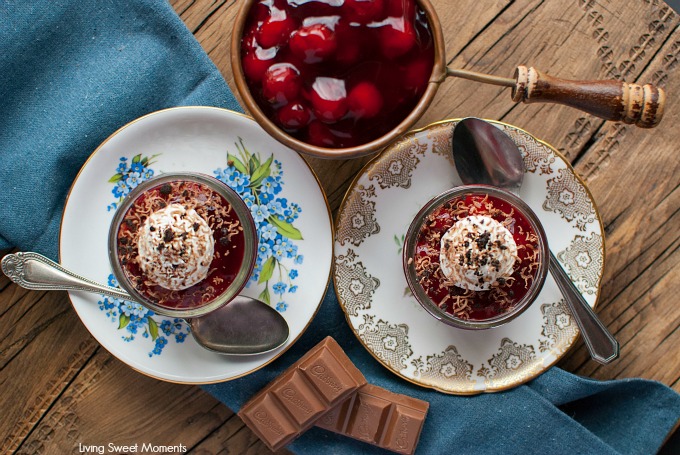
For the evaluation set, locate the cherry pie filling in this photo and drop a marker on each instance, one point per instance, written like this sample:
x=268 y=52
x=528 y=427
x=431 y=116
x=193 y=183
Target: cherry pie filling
x=337 y=73
x=504 y=295
x=227 y=233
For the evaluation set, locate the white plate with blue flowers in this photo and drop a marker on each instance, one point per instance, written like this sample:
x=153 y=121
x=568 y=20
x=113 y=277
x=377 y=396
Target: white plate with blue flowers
x=290 y=211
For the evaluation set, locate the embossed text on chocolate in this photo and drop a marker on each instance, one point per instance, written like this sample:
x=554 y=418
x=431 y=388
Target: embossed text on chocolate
x=290 y=395
x=320 y=372
x=402 y=438
x=264 y=419
x=366 y=414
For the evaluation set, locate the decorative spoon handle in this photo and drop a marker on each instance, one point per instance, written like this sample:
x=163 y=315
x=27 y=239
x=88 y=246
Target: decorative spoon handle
x=601 y=344
x=34 y=271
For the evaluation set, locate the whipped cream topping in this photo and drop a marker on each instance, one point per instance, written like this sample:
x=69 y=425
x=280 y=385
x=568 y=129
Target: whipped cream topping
x=476 y=252
x=176 y=247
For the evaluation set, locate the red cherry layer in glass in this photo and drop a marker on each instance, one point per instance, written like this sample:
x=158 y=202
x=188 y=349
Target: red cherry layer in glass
x=363 y=66
x=481 y=305
x=227 y=233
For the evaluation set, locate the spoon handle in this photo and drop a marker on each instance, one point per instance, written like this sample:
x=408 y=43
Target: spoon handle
x=601 y=344
x=34 y=271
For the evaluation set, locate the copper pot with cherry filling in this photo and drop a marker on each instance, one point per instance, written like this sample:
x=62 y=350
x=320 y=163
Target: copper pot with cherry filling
x=611 y=100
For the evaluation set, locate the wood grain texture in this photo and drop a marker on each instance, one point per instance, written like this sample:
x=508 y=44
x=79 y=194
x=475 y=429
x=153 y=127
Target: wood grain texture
x=64 y=389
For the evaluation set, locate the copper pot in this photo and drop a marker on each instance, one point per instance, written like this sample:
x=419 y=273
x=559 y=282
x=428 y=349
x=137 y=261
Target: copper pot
x=611 y=100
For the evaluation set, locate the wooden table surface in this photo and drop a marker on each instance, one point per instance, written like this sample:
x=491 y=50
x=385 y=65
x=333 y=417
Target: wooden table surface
x=62 y=389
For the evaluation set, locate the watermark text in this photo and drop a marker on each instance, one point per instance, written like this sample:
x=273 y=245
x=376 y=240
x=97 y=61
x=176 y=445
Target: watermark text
x=146 y=447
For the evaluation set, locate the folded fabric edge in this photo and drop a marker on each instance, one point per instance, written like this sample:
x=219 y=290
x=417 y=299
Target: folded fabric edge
x=4 y=244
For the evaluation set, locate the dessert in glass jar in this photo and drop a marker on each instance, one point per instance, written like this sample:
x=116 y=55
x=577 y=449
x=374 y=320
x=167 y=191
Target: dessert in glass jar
x=182 y=244
x=476 y=257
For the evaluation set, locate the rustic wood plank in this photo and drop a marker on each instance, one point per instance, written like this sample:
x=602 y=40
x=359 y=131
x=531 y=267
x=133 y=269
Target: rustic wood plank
x=195 y=14
x=225 y=439
x=634 y=176
x=214 y=33
x=10 y=298
x=43 y=347
x=74 y=391
x=488 y=52
x=555 y=37
x=100 y=406
x=646 y=328
x=469 y=18
x=233 y=437
x=4 y=281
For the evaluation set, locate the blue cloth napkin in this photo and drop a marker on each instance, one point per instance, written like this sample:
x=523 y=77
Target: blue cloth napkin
x=556 y=413
x=72 y=72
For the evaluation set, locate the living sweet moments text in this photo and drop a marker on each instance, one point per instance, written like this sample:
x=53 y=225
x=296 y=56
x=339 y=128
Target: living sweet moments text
x=131 y=448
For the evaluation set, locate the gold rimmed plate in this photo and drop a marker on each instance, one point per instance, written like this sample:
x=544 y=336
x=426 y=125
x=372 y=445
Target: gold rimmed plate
x=289 y=207
x=387 y=319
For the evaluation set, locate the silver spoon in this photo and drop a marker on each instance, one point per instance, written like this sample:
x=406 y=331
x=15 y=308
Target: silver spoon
x=244 y=326
x=485 y=154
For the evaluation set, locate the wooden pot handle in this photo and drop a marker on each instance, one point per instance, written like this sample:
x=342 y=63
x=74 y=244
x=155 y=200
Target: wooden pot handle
x=642 y=105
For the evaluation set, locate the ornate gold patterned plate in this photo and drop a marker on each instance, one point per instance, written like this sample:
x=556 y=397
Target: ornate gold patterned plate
x=389 y=322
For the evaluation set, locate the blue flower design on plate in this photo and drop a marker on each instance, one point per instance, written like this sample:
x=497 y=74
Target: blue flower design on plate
x=259 y=182
x=129 y=176
x=135 y=319
x=132 y=318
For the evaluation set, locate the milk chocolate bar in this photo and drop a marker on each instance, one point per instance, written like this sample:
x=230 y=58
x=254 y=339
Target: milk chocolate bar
x=379 y=417
x=307 y=390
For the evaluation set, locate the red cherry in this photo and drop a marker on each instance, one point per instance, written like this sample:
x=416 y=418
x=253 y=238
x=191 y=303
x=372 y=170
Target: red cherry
x=329 y=99
x=363 y=11
x=293 y=116
x=281 y=83
x=256 y=62
x=275 y=30
x=400 y=8
x=248 y=41
x=351 y=44
x=313 y=43
x=417 y=74
x=397 y=37
x=364 y=100
x=260 y=12
x=320 y=134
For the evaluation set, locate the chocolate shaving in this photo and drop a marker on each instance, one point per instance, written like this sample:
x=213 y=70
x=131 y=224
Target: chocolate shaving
x=203 y=200
x=168 y=235
x=457 y=301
